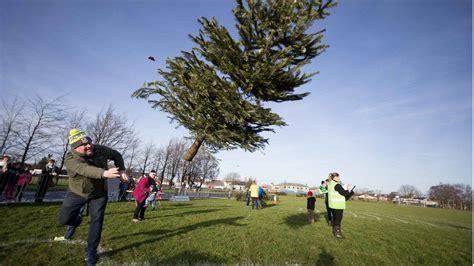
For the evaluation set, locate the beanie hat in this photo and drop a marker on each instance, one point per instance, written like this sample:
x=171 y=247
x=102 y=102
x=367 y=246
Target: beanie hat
x=78 y=138
x=310 y=193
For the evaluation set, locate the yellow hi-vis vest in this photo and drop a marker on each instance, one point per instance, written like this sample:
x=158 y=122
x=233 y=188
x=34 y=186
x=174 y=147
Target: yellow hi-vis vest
x=335 y=200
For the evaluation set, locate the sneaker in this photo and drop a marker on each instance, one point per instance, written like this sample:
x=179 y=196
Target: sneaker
x=69 y=232
x=91 y=259
x=135 y=220
x=60 y=238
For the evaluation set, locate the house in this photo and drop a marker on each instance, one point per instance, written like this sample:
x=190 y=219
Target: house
x=365 y=197
x=216 y=184
x=237 y=185
x=292 y=187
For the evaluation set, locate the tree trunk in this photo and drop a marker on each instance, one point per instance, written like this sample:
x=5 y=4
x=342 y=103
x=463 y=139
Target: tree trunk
x=63 y=156
x=191 y=152
x=6 y=138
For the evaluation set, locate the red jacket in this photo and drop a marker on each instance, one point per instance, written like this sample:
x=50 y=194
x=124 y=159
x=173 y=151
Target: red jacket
x=25 y=178
x=143 y=188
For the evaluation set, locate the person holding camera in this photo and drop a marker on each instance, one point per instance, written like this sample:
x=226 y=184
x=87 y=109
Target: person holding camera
x=337 y=197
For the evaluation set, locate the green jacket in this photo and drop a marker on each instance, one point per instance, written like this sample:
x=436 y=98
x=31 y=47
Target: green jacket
x=85 y=173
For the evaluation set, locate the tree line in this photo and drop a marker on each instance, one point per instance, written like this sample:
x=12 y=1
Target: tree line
x=453 y=196
x=35 y=128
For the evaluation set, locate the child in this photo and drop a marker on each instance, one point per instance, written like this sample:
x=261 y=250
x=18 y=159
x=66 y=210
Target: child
x=23 y=180
x=311 y=202
x=324 y=190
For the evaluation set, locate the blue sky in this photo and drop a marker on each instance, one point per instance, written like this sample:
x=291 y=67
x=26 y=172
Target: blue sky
x=391 y=105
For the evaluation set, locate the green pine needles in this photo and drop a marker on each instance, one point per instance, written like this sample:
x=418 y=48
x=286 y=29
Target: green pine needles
x=218 y=89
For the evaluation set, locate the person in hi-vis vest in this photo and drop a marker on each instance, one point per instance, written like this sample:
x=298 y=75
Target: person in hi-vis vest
x=337 y=201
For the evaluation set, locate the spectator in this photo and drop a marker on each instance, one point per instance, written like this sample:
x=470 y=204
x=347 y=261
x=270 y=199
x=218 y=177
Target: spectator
x=247 y=197
x=151 y=199
x=254 y=195
x=140 y=194
x=337 y=201
x=5 y=164
x=261 y=197
x=49 y=171
x=23 y=180
x=11 y=176
x=324 y=190
x=311 y=202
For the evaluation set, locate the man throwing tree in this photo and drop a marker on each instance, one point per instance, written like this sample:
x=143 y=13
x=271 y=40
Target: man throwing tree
x=87 y=169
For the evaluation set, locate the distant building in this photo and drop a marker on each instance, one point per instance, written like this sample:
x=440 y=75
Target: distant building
x=237 y=185
x=292 y=187
x=216 y=184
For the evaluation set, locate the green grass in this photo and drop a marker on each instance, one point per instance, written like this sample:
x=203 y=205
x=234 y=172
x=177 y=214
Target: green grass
x=224 y=231
x=61 y=186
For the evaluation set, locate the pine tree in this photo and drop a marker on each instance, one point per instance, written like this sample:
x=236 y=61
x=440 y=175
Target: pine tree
x=218 y=89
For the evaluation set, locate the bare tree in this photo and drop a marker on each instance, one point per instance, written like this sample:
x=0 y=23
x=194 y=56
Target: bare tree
x=112 y=130
x=166 y=151
x=148 y=152
x=175 y=164
x=130 y=154
x=232 y=176
x=38 y=126
x=73 y=120
x=158 y=159
x=456 y=196
x=10 y=116
x=409 y=191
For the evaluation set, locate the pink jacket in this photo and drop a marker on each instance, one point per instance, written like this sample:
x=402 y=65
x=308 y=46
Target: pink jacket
x=24 y=179
x=141 y=191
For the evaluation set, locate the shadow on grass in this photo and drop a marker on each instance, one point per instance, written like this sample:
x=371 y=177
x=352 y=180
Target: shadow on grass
x=299 y=219
x=192 y=258
x=325 y=258
x=155 y=232
x=183 y=230
x=460 y=227
x=269 y=205
x=185 y=213
x=326 y=217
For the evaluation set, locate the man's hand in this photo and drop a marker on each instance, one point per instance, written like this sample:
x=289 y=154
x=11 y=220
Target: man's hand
x=111 y=173
x=123 y=176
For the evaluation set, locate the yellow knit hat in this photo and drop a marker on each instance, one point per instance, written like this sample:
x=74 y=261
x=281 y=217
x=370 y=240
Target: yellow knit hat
x=78 y=138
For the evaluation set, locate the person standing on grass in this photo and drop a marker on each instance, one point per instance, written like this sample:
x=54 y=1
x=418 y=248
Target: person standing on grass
x=311 y=202
x=151 y=199
x=49 y=172
x=261 y=197
x=5 y=164
x=140 y=194
x=87 y=167
x=254 y=195
x=324 y=190
x=337 y=201
x=12 y=175
x=23 y=180
x=247 y=197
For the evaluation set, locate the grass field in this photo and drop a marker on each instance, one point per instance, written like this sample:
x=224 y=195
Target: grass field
x=225 y=231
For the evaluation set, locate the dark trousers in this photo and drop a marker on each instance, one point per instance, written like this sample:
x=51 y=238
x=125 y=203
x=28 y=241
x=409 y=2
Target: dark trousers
x=329 y=212
x=337 y=217
x=19 y=192
x=70 y=214
x=3 y=181
x=140 y=210
x=43 y=186
x=255 y=203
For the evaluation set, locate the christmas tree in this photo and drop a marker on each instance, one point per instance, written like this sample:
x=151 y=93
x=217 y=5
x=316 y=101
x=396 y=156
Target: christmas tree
x=219 y=88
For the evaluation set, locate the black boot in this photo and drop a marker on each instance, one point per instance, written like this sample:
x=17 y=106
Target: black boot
x=337 y=232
